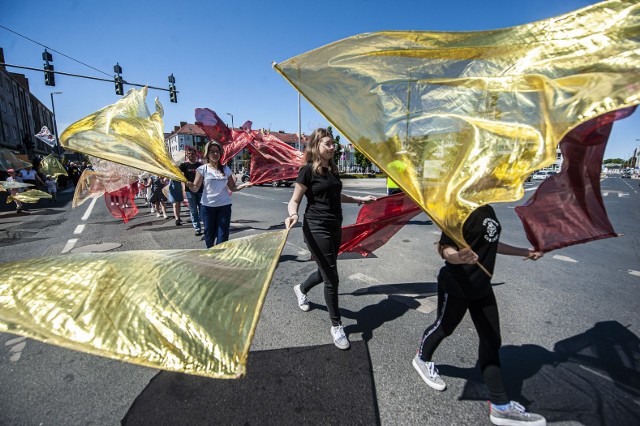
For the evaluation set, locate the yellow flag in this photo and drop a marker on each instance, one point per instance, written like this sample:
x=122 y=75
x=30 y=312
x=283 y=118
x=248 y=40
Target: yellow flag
x=125 y=133
x=50 y=165
x=30 y=196
x=191 y=311
x=473 y=114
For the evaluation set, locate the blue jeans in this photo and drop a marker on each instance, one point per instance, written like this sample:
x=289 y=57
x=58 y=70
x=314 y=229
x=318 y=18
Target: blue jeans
x=217 y=222
x=194 y=208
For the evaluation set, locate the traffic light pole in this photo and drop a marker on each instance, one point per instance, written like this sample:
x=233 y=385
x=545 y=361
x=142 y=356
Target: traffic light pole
x=86 y=76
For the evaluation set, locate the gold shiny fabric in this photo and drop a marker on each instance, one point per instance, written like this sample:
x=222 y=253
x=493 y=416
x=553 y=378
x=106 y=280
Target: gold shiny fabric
x=191 y=311
x=29 y=197
x=91 y=184
x=125 y=133
x=8 y=160
x=50 y=165
x=473 y=114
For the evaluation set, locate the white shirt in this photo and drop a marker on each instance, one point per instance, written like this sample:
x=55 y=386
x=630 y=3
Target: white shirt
x=215 y=192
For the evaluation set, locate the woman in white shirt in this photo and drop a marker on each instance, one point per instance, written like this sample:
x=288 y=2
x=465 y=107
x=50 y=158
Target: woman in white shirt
x=219 y=183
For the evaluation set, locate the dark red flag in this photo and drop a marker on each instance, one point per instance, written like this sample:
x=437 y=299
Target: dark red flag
x=121 y=204
x=272 y=159
x=567 y=208
x=377 y=222
x=212 y=125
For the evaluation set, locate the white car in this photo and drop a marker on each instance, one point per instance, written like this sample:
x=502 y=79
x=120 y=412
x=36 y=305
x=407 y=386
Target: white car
x=542 y=175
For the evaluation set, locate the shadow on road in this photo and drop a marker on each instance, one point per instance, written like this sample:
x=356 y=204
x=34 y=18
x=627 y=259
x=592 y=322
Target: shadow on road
x=592 y=378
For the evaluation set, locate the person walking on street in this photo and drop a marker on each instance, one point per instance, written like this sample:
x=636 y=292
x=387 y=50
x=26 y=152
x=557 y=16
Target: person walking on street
x=11 y=177
x=157 y=183
x=218 y=182
x=176 y=198
x=188 y=169
x=319 y=182
x=462 y=287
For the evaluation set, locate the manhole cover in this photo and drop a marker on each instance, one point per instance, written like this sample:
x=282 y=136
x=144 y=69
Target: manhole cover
x=96 y=248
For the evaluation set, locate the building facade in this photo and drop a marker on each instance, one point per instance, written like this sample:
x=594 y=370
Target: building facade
x=22 y=115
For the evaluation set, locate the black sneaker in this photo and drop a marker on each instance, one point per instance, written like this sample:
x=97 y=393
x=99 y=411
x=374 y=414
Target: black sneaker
x=178 y=222
x=515 y=414
x=198 y=233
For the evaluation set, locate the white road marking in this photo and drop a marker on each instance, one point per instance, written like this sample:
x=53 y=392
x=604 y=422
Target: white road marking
x=88 y=212
x=565 y=258
x=79 y=229
x=17 y=345
x=246 y=194
x=632 y=272
x=69 y=246
x=605 y=194
x=301 y=251
x=623 y=194
x=530 y=189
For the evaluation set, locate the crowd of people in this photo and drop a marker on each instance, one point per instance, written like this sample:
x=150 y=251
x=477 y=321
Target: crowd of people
x=464 y=283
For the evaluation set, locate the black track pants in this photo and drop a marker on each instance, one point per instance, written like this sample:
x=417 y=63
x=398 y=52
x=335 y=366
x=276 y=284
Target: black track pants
x=484 y=314
x=323 y=239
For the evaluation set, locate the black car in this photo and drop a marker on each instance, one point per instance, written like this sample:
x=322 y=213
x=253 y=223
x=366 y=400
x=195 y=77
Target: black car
x=626 y=175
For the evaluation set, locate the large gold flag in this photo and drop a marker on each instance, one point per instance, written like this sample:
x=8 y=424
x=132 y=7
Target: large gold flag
x=191 y=311
x=29 y=196
x=50 y=165
x=472 y=114
x=125 y=133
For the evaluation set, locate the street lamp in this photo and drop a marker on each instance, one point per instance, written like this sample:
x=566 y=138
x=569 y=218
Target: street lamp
x=234 y=158
x=55 y=125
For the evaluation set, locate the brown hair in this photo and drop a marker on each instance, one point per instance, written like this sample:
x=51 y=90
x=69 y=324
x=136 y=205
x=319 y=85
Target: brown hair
x=312 y=152
x=217 y=144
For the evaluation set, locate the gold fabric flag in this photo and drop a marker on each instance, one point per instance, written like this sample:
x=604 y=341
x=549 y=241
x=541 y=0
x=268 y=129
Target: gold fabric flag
x=50 y=165
x=30 y=196
x=125 y=133
x=4 y=185
x=8 y=160
x=473 y=114
x=190 y=311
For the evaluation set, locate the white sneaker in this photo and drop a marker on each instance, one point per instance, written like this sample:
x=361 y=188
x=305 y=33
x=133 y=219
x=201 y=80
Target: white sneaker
x=303 y=302
x=157 y=214
x=429 y=373
x=339 y=338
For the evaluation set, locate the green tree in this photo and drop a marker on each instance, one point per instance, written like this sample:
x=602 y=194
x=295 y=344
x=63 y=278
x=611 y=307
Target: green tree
x=338 y=152
x=361 y=160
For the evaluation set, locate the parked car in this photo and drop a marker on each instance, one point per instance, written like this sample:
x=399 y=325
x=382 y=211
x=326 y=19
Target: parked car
x=542 y=175
x=286 y=183
x=626 y=175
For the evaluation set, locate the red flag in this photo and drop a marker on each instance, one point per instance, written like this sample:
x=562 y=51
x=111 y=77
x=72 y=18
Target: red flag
x=567 y=208
x=272 y=159
x=377 y=222
x=212 y=125
x=121 y=204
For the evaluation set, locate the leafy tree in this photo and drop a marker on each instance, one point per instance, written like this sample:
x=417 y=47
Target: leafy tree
x=361 y=160
x=613 y=161
x=338 y=152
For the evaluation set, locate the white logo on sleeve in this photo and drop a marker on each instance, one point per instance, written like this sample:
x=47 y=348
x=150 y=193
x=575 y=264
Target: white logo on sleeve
x=492 y=230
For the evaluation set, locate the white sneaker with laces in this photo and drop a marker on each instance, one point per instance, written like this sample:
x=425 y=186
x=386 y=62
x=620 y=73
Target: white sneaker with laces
x=514 y=415
x=429 y=373
x=303 y=301
x=339 y=338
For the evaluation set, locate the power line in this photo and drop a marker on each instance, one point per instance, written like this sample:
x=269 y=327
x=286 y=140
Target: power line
x=54 y=50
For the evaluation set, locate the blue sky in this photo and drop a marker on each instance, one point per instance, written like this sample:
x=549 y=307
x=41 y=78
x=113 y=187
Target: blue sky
x=221 y=52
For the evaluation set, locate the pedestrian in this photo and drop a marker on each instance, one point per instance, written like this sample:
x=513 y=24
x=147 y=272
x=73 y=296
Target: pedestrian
x=319 y=182
x=29 y=175
x=397 y=166
x=12 y=177
x=463 y=286
x=188 y=169
x=176 y=198
x=218 y=183
x=52 y=187
x=157 y=198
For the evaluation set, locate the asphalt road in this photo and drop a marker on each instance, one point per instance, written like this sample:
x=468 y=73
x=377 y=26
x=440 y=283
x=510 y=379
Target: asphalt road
x=570 y=321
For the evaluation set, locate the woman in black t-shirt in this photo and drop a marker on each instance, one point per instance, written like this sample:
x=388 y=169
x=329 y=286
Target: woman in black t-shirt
x=319 y=182
x=462 y=287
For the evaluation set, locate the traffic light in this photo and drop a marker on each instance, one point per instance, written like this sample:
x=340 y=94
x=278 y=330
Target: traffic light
x=173 y=94
x=49 y=75
x=117 y=79
x=118 y=82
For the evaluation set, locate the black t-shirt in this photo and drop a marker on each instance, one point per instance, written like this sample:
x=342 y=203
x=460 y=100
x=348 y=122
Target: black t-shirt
x=189 y=171
x=323 y=193
x=482 y=231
